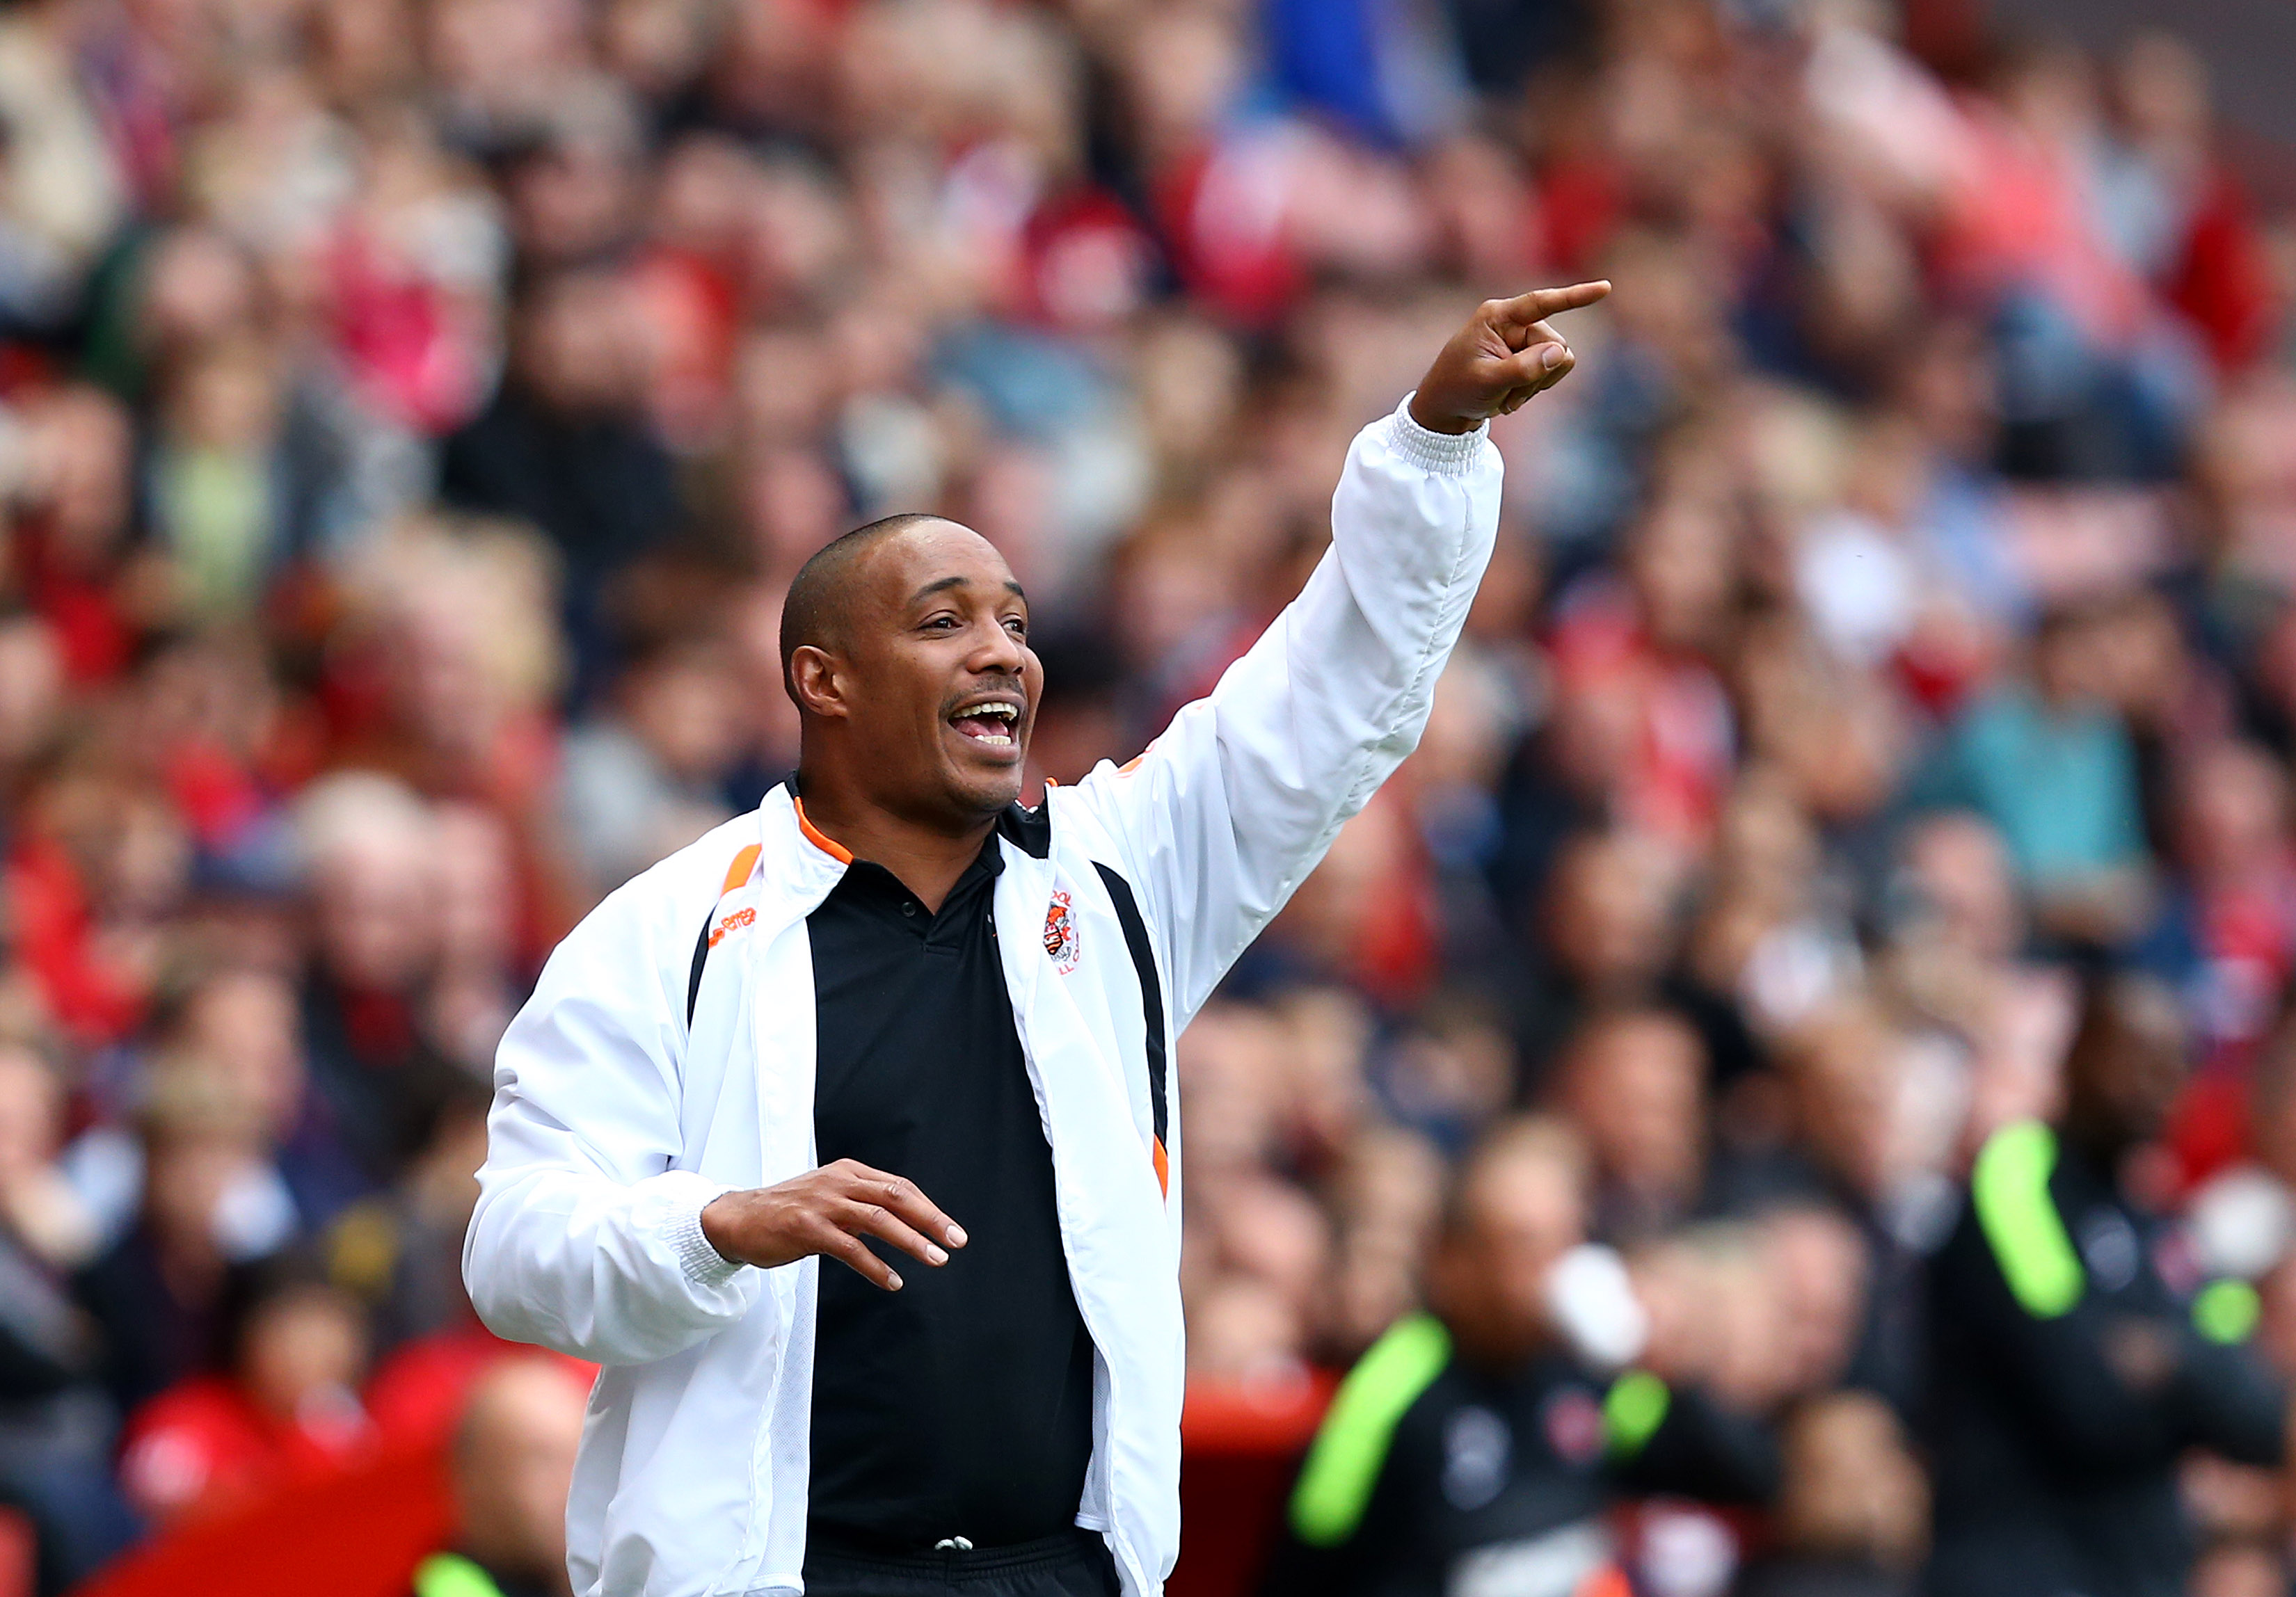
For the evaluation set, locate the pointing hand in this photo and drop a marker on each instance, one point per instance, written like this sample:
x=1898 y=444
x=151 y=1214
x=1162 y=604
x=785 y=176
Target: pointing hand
x=1506 y=354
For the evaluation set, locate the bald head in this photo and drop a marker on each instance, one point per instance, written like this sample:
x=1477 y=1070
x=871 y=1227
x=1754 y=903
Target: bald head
x=513 y=1463
x=2126 y=1063
x=1516 y=1205
x=821 y=596
x=1530 y=1164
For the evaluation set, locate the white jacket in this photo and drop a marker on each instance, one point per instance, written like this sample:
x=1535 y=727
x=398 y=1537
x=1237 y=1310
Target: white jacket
x=667 y=1056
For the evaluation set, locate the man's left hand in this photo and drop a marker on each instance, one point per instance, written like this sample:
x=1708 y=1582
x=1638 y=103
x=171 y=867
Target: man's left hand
x=1504 y=356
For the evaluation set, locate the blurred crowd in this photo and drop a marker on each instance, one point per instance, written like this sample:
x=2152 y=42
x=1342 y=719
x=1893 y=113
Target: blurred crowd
x=411 y=411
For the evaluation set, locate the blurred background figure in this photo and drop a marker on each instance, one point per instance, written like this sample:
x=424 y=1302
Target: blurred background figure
x=1634 y=1081
x=2078 y=1359
x=1853 y=1506
x=1480 y=1444
x=55 y=1423
x=512 y=1462
x=282 y=1403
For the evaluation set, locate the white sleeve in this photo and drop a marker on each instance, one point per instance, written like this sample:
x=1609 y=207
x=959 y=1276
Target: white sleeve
x=585 y=1239
x=1239 y=798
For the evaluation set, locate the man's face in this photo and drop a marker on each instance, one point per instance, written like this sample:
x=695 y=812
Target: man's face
x=1635 y=1086
x=1490 y=1277
x=2140 y=1079
x=2124 y=1075
x=936 y=678
x=1607 y=916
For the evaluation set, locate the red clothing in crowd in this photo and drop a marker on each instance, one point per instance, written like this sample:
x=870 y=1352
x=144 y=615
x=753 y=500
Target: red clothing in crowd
x=204 y=1446
x=1225 y=212
x=2224 y=284
x=418 y=1391
x=1676 y=766
x=81 y=606
x=91 y=997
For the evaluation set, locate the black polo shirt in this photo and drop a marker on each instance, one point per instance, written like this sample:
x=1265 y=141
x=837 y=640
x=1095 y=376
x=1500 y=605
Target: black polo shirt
x=960 y=1405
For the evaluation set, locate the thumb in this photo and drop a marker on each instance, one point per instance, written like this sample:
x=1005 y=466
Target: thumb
x=1539 y=365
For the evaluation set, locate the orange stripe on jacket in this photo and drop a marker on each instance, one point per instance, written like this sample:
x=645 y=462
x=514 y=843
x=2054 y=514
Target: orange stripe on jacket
x=820 y=839
x=739 y=871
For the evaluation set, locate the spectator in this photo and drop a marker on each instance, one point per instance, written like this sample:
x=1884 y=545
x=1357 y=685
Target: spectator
x=280 y=1404
x=1479 y=1438
x=2229 y=934
x=647 y=779
x=239 y=1023
x=55 y=1426
x=513 y=1461
x=401 y=1253
x=563 y=445
x=370 y=846
x=2072 y=1373
x=1633 y=1081
x=1853 y=1508
x=2054 y=770
x=209 y=1202
x=1607 y=934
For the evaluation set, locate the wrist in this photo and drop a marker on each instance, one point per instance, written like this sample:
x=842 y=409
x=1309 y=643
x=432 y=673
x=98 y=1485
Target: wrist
x=698 y=1237
x=1433 y=421
x=716 y=1223
x=1446 y=454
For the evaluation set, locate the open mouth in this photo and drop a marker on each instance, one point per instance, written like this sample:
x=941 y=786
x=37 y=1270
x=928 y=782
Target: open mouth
x=994 y=725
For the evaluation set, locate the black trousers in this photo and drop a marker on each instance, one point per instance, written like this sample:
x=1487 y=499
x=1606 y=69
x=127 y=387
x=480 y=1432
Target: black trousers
x=1075 y=1563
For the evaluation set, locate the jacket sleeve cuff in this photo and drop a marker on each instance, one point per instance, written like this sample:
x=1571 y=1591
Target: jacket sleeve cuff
x=703 y=1264
x=1446 y=453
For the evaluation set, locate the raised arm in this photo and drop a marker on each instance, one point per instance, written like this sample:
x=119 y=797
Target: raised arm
x=1232 y=807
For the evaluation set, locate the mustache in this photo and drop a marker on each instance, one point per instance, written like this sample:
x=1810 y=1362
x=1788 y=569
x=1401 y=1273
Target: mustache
x=1013 y=684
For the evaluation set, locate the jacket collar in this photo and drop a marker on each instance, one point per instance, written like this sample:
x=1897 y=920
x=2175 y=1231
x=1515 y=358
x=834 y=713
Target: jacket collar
x=797 y=864
x=1030 y=831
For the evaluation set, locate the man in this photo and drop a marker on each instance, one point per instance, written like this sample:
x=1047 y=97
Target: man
x=1634 y=1079
x=1473 y=1452
x=513 y=1457
x=890 y=1001
x=2077 y=1361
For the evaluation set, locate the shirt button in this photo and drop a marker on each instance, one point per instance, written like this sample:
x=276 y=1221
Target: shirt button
x=909 y=909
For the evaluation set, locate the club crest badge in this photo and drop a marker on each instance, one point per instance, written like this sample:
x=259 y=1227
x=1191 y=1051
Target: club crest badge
x=1573 y=1419
x=1060 y=932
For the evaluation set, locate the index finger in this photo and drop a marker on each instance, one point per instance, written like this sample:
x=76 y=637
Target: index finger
x=1524 y=309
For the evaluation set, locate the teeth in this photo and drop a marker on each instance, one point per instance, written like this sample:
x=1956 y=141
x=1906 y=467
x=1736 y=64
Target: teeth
x=984 y=717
